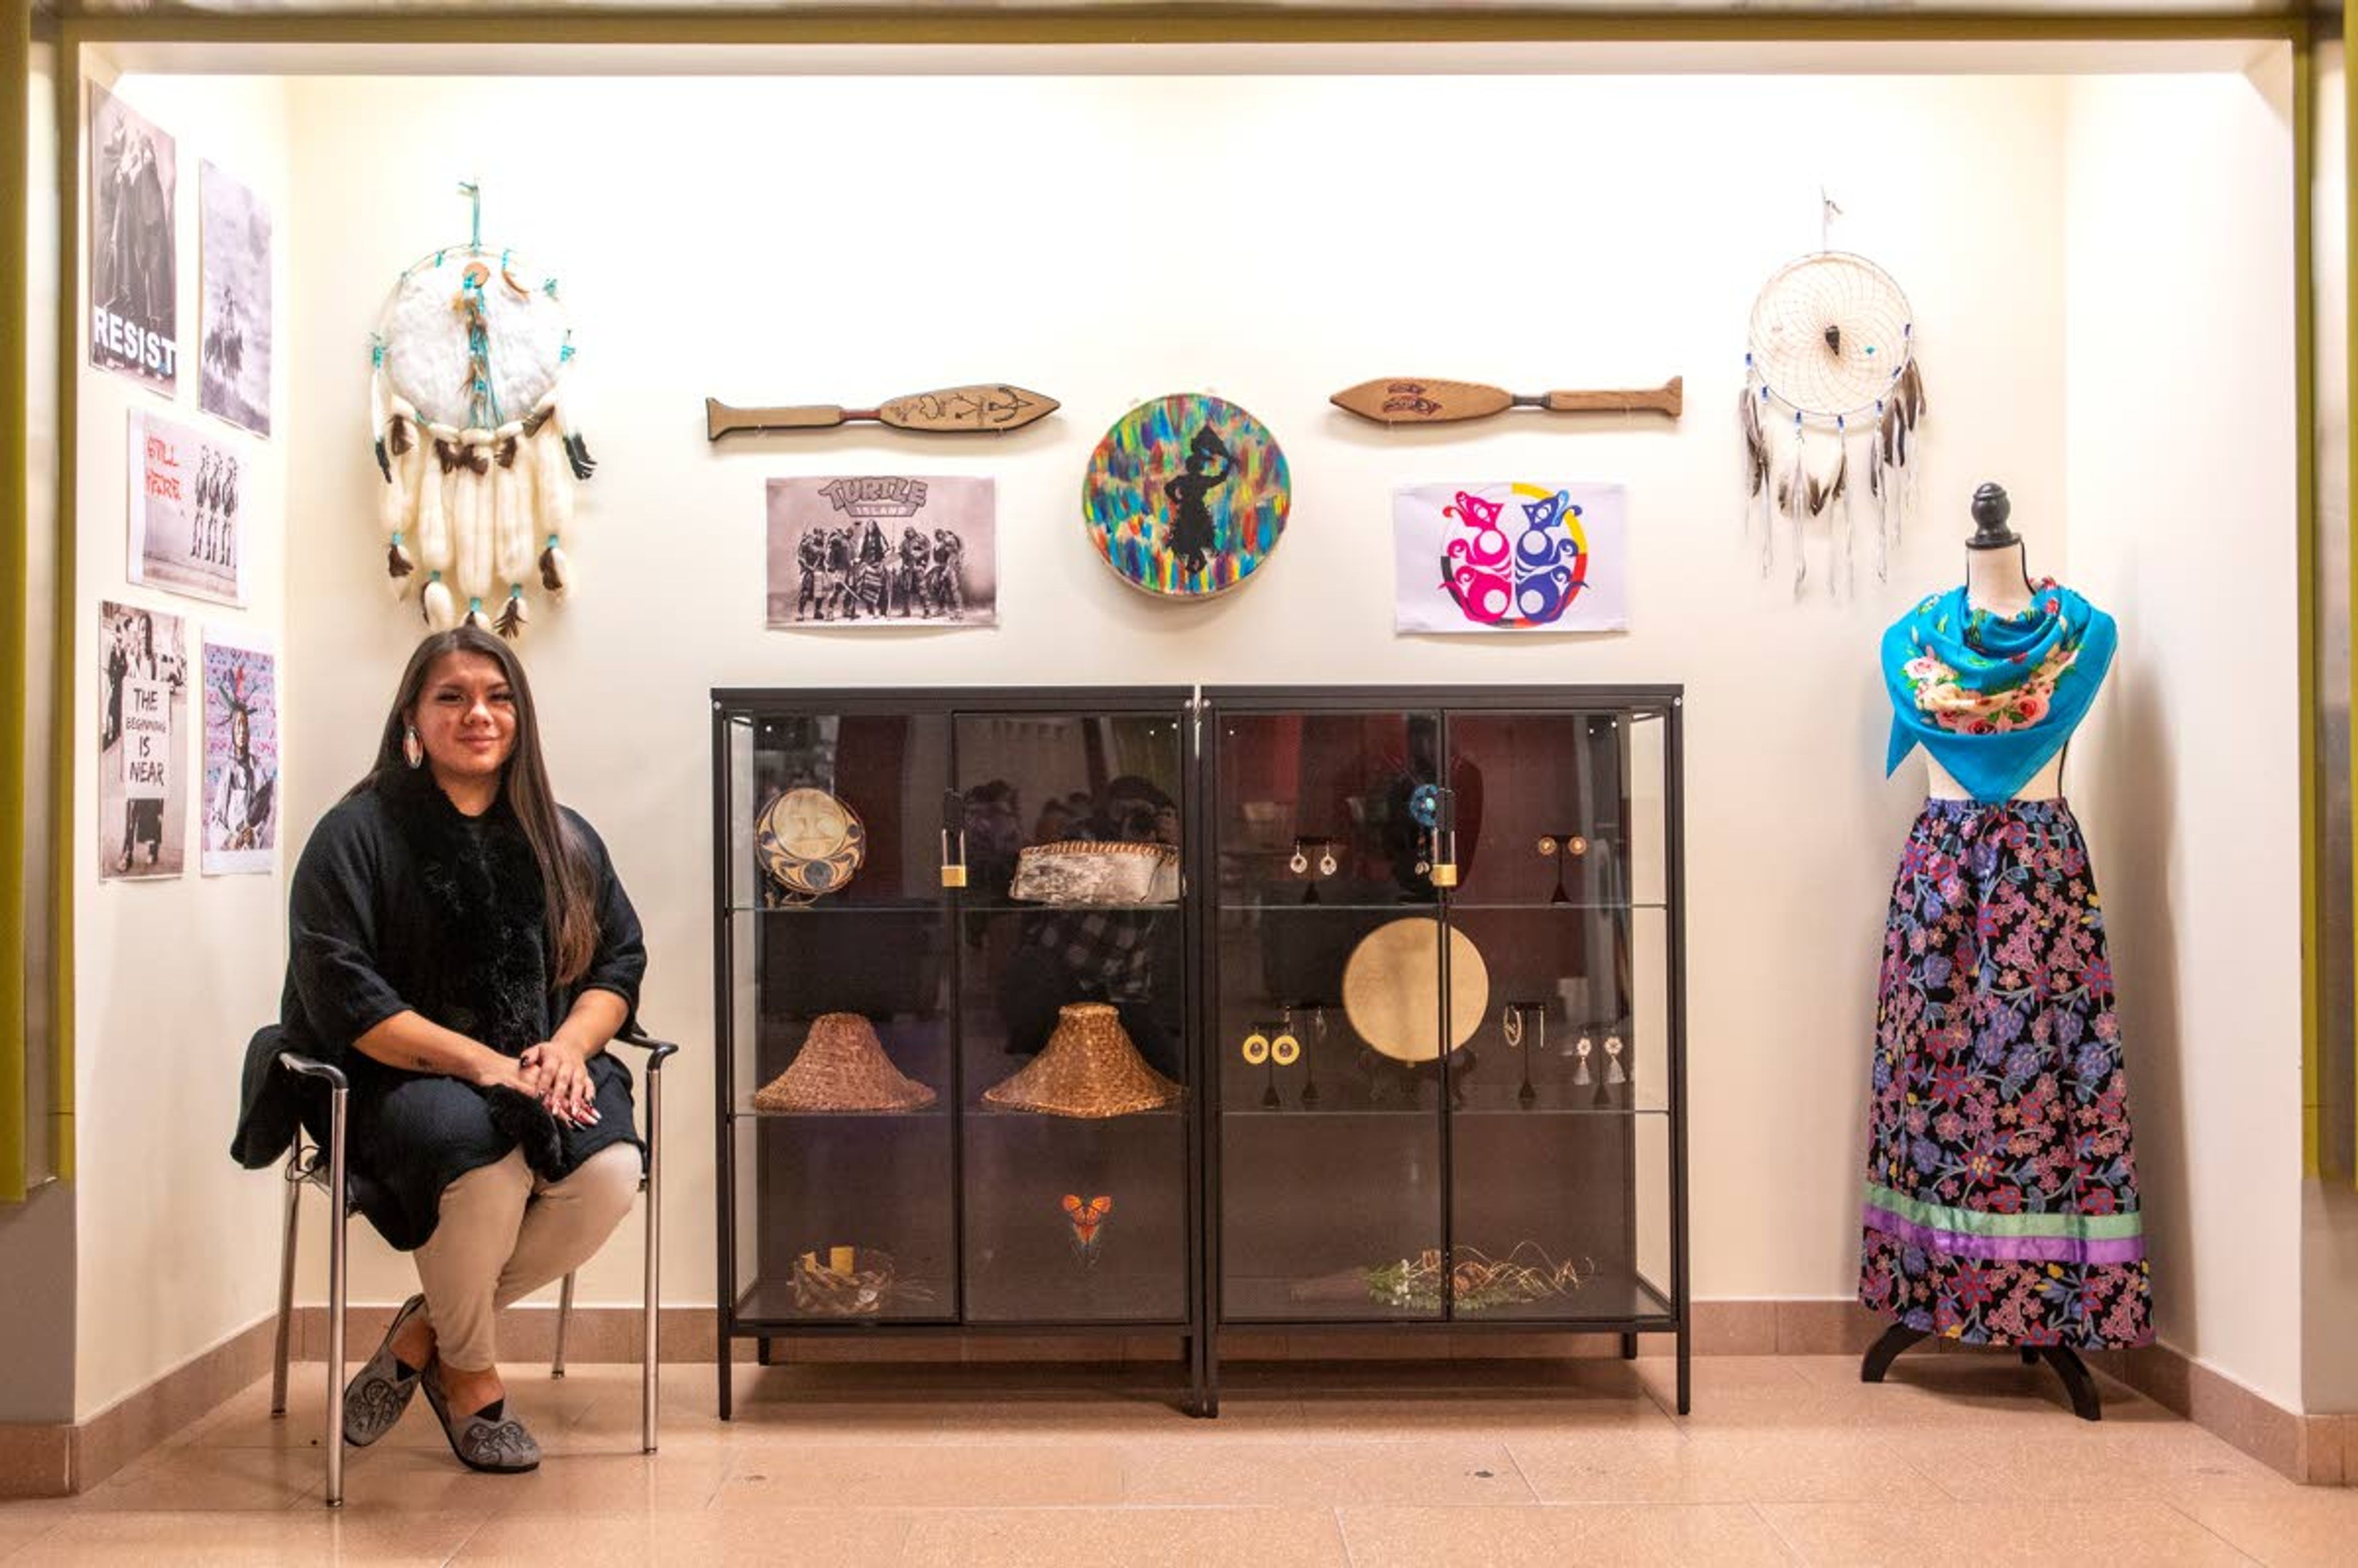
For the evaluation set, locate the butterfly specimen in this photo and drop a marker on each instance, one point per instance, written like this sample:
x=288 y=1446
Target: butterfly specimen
x=1088 y=1218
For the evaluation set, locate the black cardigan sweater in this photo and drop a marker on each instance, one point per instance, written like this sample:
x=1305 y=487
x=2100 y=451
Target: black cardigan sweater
x=401 y=902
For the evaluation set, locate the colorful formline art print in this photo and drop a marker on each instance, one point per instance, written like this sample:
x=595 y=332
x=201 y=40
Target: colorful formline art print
x=238 y=812
x=1187 y=496
x=134 y=265
x=233 y=247
x=187 y=489
x=1511 y=558
x=873 y=550
x=143 y=776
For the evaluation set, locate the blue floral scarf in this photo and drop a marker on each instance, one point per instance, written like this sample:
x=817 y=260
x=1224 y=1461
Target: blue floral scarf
x=1994 y=697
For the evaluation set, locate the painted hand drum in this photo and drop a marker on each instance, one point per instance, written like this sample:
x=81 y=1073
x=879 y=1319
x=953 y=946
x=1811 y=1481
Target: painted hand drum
x=1187 y=496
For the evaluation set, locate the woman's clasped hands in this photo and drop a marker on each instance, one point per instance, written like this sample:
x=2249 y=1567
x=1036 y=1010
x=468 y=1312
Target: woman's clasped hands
x=555 y=1074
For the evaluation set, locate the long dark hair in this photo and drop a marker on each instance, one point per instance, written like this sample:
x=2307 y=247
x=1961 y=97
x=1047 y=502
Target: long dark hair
x=565 y=880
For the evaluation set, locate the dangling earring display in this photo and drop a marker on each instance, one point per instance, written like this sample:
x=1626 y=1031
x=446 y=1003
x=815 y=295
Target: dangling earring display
x=1580 y=1072
x=1613 y=1072
x=1300 y=864
x=1326 y=863
x=411 y=747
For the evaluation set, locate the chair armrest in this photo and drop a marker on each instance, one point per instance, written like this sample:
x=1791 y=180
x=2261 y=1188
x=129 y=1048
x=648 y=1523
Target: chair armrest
x=659 y=1051
x=306 y=1066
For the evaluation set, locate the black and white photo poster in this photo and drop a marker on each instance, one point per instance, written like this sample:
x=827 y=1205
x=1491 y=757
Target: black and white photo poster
x=133 y=270
x=143 y=766
x=187 y=492
x=234 y=244
x=874 y=550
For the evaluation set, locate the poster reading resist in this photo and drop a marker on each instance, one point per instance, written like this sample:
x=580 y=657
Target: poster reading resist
x=881 y=550
x=133 y=270
x=186 y=493
x=143 y=784
x=1502 y=557
x=238 y=811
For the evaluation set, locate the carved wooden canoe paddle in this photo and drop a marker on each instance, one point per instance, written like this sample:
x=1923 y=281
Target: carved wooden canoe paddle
x=952 y=410
x=1421 y=400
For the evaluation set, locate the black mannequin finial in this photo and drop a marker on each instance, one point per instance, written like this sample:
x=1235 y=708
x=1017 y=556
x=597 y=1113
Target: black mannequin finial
x=1991 y=509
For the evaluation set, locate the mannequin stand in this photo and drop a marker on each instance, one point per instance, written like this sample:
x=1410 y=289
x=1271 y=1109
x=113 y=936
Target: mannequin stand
x=2078 y=1381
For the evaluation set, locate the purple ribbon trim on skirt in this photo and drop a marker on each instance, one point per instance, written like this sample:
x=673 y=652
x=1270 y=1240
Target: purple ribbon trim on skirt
x=2006 y=1249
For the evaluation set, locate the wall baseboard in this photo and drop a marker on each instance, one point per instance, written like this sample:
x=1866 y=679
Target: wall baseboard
x=63 y=1458
x=59 y=1460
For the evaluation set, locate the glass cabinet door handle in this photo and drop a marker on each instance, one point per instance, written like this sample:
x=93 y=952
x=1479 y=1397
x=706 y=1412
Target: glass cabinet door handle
x=953 y=839
x=1444 y=838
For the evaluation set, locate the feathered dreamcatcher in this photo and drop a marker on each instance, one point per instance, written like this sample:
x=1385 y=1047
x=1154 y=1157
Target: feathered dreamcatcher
x=478 y=462
x=1831 y=386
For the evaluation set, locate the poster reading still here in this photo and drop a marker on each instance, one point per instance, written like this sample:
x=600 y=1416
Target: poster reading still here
x=143 y=783
x=237 y=812
x=187 y=490
x=1499 y=557
x=134 y=268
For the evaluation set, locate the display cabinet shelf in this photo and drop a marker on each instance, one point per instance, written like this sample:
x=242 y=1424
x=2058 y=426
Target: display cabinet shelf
x=1230 y=1111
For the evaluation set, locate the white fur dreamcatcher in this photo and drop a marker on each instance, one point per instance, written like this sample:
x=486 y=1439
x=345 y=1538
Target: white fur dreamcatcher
x=1830 y=375
x=478 y=462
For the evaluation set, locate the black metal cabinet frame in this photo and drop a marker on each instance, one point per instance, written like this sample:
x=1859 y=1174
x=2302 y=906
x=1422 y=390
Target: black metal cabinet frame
x=1662 y=703
x=1197 y=714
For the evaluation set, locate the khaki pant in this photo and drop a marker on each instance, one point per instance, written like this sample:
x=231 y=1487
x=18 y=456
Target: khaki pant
x=504 y=1233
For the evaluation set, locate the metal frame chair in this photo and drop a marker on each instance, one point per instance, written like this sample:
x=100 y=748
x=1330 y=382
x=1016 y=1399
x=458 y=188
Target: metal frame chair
x=310 y=1165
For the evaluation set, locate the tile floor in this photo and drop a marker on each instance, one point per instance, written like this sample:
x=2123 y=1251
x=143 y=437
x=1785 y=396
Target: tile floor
x=1786 y=1461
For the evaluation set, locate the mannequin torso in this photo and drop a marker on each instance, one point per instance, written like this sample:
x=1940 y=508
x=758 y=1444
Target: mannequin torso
x=1997 y=580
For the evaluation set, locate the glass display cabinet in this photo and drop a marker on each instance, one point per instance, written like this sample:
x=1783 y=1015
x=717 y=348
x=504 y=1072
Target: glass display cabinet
x=953 y=979
x=1139 y=1011
x=1445 y=1066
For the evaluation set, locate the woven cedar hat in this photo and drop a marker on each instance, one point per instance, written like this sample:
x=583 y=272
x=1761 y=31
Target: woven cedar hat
x=842 y=1067
x=1090 y=1069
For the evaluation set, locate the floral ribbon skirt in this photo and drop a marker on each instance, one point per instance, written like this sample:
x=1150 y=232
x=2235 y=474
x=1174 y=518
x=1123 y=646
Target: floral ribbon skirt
x=2001 y=1201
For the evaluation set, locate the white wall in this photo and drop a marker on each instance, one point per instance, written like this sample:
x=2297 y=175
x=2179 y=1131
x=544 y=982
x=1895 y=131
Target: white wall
x=2182 y=425
x=1109 y=239
x=178 y=1247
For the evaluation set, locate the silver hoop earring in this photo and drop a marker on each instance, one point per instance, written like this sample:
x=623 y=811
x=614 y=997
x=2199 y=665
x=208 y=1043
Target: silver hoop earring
x=1300 y=863
x=413 y=748
x=1326 y=864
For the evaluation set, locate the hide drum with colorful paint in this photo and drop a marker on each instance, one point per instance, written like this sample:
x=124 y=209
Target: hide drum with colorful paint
x=1187 y=496
x=1391 y=989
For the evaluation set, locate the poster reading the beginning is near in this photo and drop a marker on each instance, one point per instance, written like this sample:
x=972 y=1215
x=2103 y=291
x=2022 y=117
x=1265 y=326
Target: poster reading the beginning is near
x=237 y=808
x=187 y=489
x=134 y=265
x=874 y=550
x=1502 y=558
x=143 y=773
x=233 y=250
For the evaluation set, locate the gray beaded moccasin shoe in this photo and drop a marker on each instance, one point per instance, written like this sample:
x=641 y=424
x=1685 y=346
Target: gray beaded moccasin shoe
x=380 y=1392
x=487 y=1440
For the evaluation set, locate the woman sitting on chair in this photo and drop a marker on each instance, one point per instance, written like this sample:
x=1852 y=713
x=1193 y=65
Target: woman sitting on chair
x=460 y=945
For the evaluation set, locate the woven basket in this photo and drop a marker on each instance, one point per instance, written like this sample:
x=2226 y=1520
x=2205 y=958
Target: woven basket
x=841 y=1067
x=1088 y=1069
